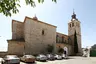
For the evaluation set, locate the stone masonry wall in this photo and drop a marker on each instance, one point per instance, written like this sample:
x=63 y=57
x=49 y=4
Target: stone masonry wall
x=36 y=42
x=17 y=30
x=15 y=47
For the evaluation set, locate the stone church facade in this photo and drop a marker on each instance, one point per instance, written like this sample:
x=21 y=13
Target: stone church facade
x=33 y=36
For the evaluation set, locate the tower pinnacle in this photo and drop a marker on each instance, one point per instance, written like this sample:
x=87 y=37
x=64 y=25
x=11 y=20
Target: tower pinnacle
x=73 y=11
x=35 y=17
x=74 y=15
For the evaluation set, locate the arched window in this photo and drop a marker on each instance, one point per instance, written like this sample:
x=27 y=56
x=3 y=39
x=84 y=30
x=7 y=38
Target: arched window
x=62 y=39
x=69 y=40
x=72 y=24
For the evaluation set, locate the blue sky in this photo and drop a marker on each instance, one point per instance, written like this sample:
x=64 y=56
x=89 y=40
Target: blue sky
x=58 y=14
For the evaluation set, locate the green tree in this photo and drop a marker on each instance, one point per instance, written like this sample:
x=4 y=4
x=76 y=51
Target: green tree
x=93 y=51
x=50 y=48
x=60 y=50
x=75 y=43
x=9 y=7
x=93 y=47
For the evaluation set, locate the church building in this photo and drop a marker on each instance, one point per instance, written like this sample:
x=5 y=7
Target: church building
x=33 y=37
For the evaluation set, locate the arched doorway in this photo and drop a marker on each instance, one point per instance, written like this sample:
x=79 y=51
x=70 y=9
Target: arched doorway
x=66 y=49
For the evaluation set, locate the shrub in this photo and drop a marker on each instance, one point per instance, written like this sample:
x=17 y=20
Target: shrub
x=60 y=50
x=50 y=48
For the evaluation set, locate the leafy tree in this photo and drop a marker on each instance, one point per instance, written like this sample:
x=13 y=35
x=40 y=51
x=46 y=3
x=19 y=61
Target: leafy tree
x=93 y=51
x=7 y=7
x=93 y=47
x=75 y=44
x=60 y=50
x=50 y=48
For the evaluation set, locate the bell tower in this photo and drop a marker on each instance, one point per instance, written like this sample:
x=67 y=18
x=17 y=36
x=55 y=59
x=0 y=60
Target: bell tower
x=74 y=26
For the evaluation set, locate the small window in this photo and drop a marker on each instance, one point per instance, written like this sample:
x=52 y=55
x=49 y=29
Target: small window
x=59 y=46
x=42 y=32
x=70 y=25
